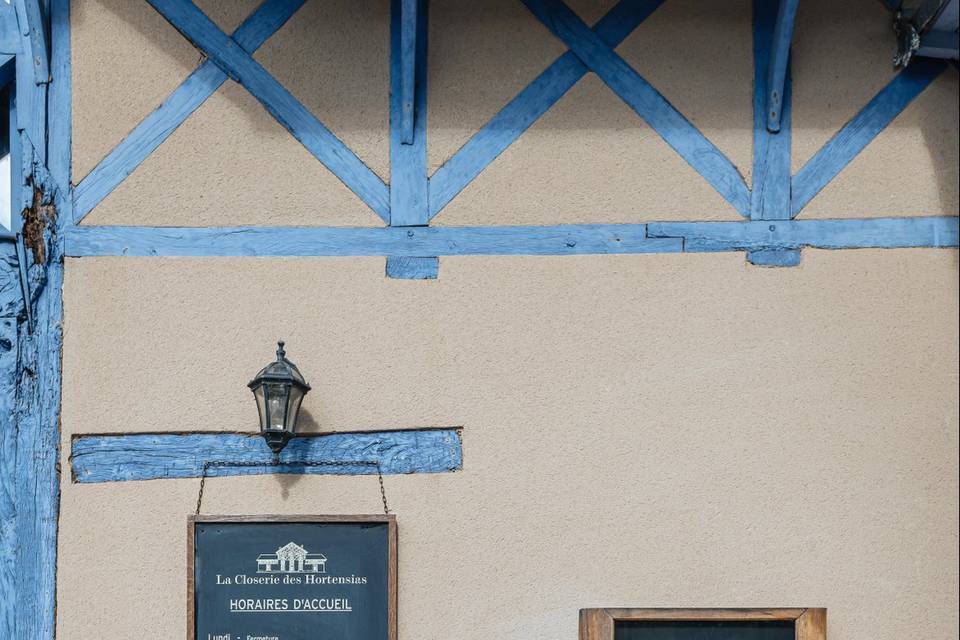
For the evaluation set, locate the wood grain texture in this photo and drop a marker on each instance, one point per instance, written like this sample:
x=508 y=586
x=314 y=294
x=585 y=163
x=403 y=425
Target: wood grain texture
x=413 y=268
x=407 y=54
x=9 y=29
x=654 y=237
x=38 y=457
x=770 y=196
x=408 y=159
x=646 y=101
x=282 y=105
x=8 y=476
x=529 y=105
x=59 y=103
x=409 y=186
x=114 y=458
x=33 y=27
x=364 y=241
x=883 y=233
x=779 y=61
x=812 y=625
x=600 y=624
x=847 y=143
x=172 y=112
x=770 y=193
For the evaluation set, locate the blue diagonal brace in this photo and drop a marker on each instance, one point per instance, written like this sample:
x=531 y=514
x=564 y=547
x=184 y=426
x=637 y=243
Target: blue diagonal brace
x=647 y=102
x=779 y=59
x=290 y=112
x=185 y=99
x=862 y=129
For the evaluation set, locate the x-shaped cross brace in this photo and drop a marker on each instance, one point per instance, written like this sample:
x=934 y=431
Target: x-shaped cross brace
x=646 y=101
x=235 y=60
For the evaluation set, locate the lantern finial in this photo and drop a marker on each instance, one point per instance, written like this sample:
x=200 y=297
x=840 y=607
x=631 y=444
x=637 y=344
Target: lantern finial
x=281 y=354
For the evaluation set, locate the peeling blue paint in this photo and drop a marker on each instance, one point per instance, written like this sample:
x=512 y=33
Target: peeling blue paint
x=115 y=458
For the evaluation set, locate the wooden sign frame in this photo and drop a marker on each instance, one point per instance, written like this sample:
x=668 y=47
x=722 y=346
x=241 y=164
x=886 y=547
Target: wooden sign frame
x=598 y=624
x=389 y=520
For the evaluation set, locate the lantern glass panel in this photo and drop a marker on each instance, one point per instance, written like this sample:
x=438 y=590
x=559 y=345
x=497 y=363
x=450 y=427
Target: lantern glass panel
x=277 y=395
x=293 y=406
x=261 y=405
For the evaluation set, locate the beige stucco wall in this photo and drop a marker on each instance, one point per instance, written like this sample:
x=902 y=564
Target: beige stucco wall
x=659 y=430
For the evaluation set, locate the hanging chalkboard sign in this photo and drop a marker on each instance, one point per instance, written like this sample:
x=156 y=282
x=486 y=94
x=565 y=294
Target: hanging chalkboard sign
x=292 y=577
x=703 y=624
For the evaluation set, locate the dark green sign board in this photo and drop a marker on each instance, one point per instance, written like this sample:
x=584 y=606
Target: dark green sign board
x=292 y=577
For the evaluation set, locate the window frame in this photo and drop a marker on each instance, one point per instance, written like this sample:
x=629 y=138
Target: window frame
x=600 y=624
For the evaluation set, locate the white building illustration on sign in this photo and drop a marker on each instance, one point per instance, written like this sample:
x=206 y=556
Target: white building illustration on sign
x=291 y=558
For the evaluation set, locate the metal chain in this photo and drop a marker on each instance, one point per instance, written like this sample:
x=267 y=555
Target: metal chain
x=292 y=463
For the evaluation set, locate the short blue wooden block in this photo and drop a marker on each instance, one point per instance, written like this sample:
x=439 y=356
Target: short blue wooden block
x=412 y=268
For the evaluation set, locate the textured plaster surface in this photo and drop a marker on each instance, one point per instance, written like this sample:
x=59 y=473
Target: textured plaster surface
x=911 y=167
x=660 y=430
x=230 y=162
x=590 y=158
x=673 y=430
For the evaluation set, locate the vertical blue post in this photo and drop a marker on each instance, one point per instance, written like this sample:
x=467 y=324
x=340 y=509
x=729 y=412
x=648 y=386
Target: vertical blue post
x=770 y=195
x=779 y=62
x=408 y=67
x=408 y=160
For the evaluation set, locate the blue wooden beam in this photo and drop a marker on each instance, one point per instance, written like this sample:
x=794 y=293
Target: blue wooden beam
x=883 y=233
x=9 y=376
x=9 y=29
x=290 y=112
x=529 y=105
x=655 y=237
x=114 y=458
x=770 y=195
x=862 y=129
x=185 y=99
x=362 y=241
x=779 y=61
x=33 y=28
x=408 y=156
x=647 y=102
x=60 y=99
x=408 y=67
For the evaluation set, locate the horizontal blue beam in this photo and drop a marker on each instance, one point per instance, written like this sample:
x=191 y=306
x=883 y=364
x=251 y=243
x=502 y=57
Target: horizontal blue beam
x=847 y=143
x=363 y=241
x=185 y=99
x=654 y=237
x=288 y=111
x=114 y=458
x=884 y=233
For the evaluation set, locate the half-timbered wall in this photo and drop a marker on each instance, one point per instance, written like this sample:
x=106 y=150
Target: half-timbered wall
x=672 y=428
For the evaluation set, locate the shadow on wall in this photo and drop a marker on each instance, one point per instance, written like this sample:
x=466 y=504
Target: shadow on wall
x=483 y=53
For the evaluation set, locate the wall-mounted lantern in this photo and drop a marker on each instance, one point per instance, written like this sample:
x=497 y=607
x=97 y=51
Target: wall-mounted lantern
x=279 y=389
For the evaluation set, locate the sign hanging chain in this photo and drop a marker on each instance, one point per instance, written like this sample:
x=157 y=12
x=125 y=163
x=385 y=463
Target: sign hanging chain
x=293 y=463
